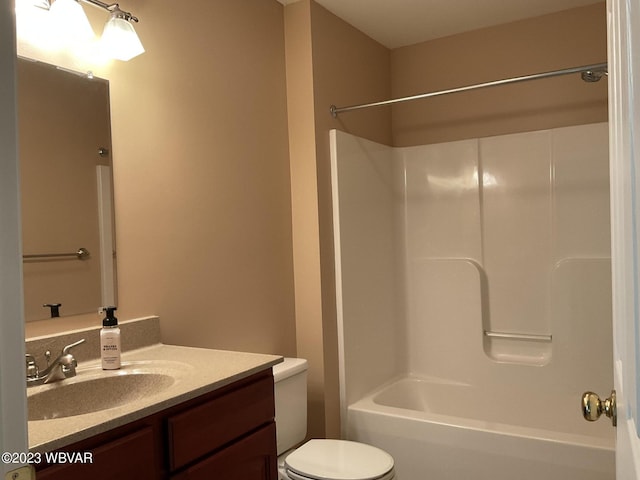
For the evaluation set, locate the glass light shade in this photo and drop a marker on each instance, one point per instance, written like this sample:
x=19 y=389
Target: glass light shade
x=119 y=40
x=71 y=25
x=28 y=4
x=32 y=24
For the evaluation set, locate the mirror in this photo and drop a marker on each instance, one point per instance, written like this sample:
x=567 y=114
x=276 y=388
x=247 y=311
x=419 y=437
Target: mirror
x=66 y=188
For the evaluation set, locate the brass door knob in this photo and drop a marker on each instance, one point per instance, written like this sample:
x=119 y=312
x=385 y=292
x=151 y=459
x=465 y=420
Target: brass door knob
x=593 y=407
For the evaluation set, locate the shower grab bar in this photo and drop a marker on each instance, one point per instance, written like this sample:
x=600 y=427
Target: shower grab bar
x=80 y=254
x=518 y=336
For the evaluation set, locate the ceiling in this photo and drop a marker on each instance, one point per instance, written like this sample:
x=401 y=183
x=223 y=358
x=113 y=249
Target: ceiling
x=396 y=23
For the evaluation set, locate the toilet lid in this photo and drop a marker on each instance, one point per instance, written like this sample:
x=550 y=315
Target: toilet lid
x=339 y=460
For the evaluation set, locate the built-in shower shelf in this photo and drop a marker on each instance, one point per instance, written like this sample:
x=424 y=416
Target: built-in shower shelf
x=520 y=348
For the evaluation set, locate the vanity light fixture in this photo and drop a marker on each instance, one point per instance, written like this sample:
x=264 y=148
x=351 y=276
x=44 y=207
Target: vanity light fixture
x=119 y=39
x=70 y=25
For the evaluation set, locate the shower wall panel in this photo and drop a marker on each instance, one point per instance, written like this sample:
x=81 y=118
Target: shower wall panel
x=440 y=243
x=529 y=211
x=516 y=224
x=367 y=197
x=442 y=201
x=442 y=230
x=581 y=192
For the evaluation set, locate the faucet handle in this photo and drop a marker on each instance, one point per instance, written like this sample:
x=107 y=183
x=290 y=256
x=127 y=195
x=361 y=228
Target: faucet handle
x=32 y=366
x=67 y=360
x=65 y=350
x=68 y=363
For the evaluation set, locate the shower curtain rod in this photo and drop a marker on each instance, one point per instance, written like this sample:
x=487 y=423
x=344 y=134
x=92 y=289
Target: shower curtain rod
x=599 y=67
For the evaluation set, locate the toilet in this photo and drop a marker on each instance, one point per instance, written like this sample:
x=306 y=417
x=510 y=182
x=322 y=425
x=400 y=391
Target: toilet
x=318 y=459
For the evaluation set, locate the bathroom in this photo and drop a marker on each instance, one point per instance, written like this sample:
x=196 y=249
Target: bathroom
x=203 y=130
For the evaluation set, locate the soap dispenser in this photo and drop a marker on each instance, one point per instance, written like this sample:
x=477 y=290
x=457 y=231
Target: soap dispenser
x=110 y=340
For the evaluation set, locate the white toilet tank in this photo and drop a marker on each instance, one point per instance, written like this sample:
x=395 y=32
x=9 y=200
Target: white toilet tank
x=290 y=378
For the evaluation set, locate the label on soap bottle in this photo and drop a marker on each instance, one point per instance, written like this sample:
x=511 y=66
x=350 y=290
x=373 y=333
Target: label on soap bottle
x=110 y=348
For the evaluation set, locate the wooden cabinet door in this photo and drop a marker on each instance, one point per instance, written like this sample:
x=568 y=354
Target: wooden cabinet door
x=207 y=427
x=252 y=458
x=130 y=457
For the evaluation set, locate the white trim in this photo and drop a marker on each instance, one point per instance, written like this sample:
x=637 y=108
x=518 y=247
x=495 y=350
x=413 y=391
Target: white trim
x=338 y=277
x=625 y=217
x=105 y=226
x=13 y=401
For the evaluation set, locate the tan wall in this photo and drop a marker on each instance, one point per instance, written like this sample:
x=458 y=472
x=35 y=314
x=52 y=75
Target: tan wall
x=567 y=39
x=328 y=61
x=201 y=169
x=304 y=207
x=346 y=64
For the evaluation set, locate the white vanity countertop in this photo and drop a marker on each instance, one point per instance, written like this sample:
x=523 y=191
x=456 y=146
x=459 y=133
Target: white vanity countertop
x=196 y=371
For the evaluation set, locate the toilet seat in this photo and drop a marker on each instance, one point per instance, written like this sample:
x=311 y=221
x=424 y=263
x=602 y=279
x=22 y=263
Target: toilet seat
x=339 y=460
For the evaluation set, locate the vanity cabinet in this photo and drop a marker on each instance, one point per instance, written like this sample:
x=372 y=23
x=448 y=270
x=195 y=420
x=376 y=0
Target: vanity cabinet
x=227 y=434
x=132 y=455
x=250 y=458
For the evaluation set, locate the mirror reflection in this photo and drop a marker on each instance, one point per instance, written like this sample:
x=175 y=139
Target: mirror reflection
x=66 y=188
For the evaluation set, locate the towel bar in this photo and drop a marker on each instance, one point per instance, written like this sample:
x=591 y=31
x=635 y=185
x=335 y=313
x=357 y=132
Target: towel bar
x=80 y=254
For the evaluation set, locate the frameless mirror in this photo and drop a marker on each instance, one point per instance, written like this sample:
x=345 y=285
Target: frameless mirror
x=66 y=186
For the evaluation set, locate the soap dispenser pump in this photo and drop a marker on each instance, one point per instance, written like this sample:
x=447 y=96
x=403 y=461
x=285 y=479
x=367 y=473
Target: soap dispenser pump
x=110 y=340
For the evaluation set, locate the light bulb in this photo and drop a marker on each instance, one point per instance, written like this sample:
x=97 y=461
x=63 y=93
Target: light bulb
x=71 y=27
x=32 y=24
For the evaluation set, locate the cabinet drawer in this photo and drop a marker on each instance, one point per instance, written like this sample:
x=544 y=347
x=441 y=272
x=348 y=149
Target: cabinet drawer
x=132 y=456
x=207 y=427
x=252 y=458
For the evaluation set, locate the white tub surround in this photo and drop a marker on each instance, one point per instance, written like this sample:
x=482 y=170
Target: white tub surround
x=480 y=266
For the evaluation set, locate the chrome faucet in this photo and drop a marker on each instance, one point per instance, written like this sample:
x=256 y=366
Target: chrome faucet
x=64 y=366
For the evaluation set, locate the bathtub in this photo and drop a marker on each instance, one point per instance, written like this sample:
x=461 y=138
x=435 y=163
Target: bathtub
x=442 y=430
